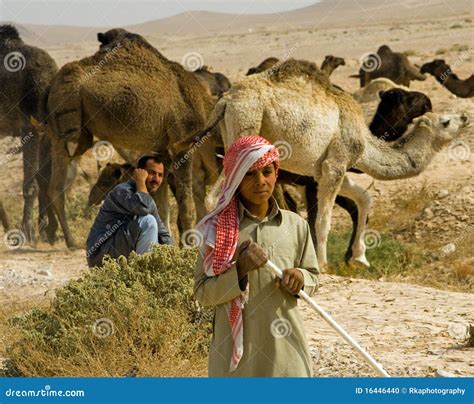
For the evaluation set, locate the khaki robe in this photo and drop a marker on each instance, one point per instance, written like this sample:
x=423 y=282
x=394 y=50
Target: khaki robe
x=274 y=339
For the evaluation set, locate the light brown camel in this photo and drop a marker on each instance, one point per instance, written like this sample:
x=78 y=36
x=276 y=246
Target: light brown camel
x=325 y=130
x=130 y=95
x=444 y=75
x=329 y=64
x=25 y=75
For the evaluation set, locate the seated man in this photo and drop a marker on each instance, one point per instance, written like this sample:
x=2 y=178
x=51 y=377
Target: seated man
x=128 y=220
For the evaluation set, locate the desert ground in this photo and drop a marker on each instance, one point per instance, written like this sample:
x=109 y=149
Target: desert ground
x=411 y=321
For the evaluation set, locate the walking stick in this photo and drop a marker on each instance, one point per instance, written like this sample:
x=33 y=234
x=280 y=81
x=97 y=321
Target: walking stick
x=371 y=361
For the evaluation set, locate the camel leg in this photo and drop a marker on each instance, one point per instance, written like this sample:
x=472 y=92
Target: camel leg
x=350 y=207
x=182 y=170
x=162 y=203
x=363 y=201
x=47 y=221
x=347 y=204
x=332 y=175
x=30 y=143
x=4 y=218
x=57 y=187
x=311 y=194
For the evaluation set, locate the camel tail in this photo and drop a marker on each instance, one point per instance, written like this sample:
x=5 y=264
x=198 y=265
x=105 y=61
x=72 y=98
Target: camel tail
x=217 y=115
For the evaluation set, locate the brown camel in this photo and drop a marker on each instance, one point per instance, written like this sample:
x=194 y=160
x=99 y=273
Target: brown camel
x=266 y=64
x=331 y=63
x=216 y=83
x=130 y=95
x=444 y=75
x=386 y=63
x=25 y=76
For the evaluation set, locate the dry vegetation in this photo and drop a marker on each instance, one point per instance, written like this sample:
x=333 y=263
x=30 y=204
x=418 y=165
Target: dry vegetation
x=129 y=317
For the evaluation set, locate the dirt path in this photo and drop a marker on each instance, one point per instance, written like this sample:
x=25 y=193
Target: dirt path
x=418 y=342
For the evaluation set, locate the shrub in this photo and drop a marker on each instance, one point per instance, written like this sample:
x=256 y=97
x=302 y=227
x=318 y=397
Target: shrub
x=134 y=316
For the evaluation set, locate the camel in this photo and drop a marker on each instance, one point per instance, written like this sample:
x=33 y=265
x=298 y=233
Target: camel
x=326 y=131
x=386 y=63
x=132 y=96
x=372 y=90
x=444 y=75
x=331 y=63
x=216 y=83
x=266 y=64
x=396 y=110
x=25 y=76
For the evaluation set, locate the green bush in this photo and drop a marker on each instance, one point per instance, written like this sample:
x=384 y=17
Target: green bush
x=134 y=315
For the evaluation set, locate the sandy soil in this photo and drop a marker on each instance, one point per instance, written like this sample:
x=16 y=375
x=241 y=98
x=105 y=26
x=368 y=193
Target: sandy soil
x=412 y=330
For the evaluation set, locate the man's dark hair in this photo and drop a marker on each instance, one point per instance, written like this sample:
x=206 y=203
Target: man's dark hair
x=157 y=158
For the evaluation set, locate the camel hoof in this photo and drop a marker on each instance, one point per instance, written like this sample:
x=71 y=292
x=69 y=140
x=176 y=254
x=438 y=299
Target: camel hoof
x=72 y=245
x=359 y=262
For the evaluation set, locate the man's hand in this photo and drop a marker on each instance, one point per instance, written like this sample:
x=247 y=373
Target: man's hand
x=250 y=256
x=292 y=281
x=140 y=176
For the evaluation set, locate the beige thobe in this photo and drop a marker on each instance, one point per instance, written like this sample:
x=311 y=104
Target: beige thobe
x=274 y=339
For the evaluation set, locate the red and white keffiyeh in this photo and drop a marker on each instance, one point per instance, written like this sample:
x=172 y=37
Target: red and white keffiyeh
x=220 y=228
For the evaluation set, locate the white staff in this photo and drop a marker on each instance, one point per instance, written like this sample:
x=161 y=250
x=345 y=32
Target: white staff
x=371 y=361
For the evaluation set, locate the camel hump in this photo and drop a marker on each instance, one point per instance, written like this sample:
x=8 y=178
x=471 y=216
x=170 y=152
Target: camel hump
x=292 y=68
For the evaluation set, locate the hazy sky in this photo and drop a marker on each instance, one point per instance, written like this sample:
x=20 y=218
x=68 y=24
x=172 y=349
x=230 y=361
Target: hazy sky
x=125 y=12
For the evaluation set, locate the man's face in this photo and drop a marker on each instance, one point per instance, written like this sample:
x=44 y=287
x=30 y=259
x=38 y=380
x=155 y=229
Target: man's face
x=156 y=172
x=257 y=186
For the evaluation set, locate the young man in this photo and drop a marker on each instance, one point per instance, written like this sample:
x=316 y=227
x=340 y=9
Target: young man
x=257 y=330
x=128 y=220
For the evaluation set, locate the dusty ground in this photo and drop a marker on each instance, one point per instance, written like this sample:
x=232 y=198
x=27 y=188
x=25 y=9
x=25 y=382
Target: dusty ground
x=412 y=330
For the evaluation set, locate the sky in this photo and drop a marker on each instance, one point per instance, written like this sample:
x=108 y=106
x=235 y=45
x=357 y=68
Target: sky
x=128 y=12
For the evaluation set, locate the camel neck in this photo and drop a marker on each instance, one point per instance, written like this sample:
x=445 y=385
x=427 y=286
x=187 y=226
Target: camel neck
x=406 y=158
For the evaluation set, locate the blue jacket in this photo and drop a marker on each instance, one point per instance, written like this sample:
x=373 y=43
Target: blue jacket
x=115 y=230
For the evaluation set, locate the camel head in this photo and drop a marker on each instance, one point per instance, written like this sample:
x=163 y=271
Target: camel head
x=112 y=175
x=112 y=35
x=266 y=64
x=443 y=128
x=396 y=110
x=437 y=68
x=333 y=61
x=8 y=32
